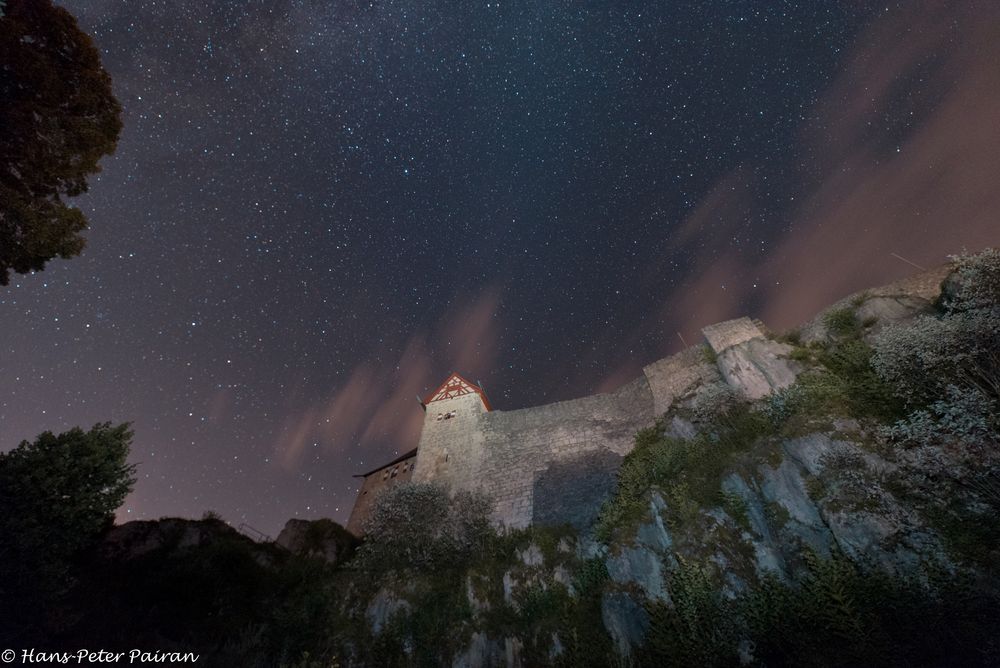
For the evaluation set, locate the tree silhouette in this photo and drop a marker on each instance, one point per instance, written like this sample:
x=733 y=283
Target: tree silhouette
x=57 y=494
x=58 y=118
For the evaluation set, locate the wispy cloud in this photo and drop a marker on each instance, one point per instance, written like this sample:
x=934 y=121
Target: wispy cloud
x=376 y=407
x=901 y=156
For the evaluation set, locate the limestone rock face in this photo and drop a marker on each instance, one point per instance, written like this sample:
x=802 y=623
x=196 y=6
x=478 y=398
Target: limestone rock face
x=481 y=653
x=625 y=620
x=641 y=566
x=317 y=538
x=757 y=367
x=135 y=539
x=382 y=607
x=829 y=495
x=895 y=303
x=752 y=365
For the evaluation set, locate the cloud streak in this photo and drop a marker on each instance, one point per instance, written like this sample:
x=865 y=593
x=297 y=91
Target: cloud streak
x=375 y=410
x=901 y=156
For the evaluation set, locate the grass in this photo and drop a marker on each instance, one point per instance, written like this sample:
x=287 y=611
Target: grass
x=709 y=355
x=689 y=471
x=842 y=322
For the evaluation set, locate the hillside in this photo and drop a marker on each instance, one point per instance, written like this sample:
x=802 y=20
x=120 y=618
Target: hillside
x=843 y=511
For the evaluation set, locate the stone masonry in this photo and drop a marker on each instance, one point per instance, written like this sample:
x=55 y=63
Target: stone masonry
x=557 y=463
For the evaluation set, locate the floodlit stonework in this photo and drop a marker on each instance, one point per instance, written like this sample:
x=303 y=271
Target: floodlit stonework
x=556 y=463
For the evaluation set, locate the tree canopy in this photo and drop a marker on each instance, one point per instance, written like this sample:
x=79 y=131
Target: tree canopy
x=57 y=494
x=59 y=117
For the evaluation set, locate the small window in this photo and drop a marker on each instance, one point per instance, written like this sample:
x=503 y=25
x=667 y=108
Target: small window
x=395 y=470
x=385 y=475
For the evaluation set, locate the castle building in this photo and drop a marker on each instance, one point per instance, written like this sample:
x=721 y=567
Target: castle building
x=397 y=471
x=555 y=464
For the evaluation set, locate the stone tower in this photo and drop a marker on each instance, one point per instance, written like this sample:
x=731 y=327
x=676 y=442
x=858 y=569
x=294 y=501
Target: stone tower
x=451 y=448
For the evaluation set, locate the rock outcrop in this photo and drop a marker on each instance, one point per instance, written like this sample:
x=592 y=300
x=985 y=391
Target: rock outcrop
x=317 y=538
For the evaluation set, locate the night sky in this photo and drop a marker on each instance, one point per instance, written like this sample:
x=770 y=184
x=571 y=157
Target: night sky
x=318 y=209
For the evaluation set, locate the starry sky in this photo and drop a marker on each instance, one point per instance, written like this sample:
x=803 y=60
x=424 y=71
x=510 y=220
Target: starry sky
x=319 y=208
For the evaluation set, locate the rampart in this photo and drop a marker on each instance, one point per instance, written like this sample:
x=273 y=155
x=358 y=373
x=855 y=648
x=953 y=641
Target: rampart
x=555 y=463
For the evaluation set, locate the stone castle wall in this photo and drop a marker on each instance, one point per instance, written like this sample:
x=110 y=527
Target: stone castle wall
x=555 y=463
x=547 y=464
x=376 y=482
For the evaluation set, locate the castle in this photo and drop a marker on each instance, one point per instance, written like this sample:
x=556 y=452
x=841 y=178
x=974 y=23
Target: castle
x=556 y=463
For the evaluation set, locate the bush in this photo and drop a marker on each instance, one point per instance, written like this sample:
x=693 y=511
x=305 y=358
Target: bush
x=689 y=471
x=975 y=283
x=417 y=525
x=921 y=360
x=961 y=347
x=968 y=415
x=842 y=322
x=714 y=400
x=863 y=391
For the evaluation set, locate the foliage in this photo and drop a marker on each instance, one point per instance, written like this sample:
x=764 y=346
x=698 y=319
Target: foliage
x=966 y=415
x=417 y=525
x=922 y=359
x=543 y=614
x=709 y=355
x=696 y=628
x=834 y=614
x=842 y=322
x=714 y=400
x=57 y=493
x=975 y=283
x=688 y=470
x=59 y=118
x=961 y=347
x=863 y=392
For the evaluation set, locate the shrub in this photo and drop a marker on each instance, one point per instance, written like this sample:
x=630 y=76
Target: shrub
x=714 y=400
x=709 y=355
x=842 y=322
x=960 y=348
x=417 y=525
x=689 y=471
x=968 y=415
x=833 y=614
x=863 y=391
x=922 y=359
x=975 y=283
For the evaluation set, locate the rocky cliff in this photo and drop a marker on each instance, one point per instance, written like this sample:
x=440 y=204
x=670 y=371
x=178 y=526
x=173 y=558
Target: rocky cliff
x=793 y=504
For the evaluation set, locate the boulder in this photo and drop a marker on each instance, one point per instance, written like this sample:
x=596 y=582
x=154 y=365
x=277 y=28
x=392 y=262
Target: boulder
x=757 y=367
x=321 y=538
